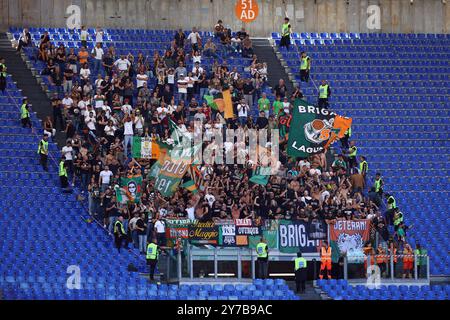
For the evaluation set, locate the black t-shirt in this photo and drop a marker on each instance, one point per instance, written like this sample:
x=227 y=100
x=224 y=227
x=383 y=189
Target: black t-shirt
x=248 y=88
x=140 y=224
x=108 y=61
x=68 y=74
x=280 y=90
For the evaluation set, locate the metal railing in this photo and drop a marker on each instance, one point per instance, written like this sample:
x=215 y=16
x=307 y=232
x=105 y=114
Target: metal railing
x=391 y=263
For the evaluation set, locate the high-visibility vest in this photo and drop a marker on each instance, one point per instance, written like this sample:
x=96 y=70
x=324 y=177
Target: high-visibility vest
x=348 y=132
x=393 y=205
x=62 y=169
x=43 y=147
x=354 y=150
x=381 y=256
x=325 y=254
x=421 y=260
x=398 y=220
x=261 y=250
x=304 y=63
x=363 y=165
x=152 y=251
x=395 y=255
x=24 y=113
x=323 y=91
x=300 y=263
x=285 y=30
x=3 y=73
x=408 y=256
x=377 y=185
x=116 y=227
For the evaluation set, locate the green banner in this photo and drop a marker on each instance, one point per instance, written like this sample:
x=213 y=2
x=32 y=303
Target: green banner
x=313 y=129
x=130 y=189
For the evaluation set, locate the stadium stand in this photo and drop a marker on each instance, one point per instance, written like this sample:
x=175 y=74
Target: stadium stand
x=372 y=98
x=396 y=89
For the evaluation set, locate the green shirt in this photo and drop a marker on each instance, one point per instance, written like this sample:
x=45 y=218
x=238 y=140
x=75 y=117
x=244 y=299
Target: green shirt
x=263 y=104
x=277 y=106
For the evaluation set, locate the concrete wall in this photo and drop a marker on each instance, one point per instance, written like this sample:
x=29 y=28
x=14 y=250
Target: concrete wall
x=423 y=16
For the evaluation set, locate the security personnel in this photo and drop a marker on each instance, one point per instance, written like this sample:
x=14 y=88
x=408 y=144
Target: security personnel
x=352 y=151
x=363 y=166
x=152 y=257
x=300 y=272
x=408 y=261
x=285 y=34
x=305 y=66
x=324 y=94
x=263 y=257
x=62 y=172
x=119 y=234
x=378 y=184
x=43 y=151
x=368 y=251
x=25 y=114
x=381 y=259
x=420 y=258
x=346 y=137
x=325 y=258
x=391 y=202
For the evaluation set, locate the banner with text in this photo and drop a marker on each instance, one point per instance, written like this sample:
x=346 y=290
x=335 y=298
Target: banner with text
x=293 y=237
x=349 y=236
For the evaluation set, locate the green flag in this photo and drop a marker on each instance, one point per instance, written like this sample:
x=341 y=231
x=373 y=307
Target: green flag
x=142 y=148
x=132 y=187
x=261 y=175
x=313 y=129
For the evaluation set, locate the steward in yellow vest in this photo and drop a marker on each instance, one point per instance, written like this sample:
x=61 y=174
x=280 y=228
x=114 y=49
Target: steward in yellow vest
x=285 y=34
x=152 y=257
x=300 y=265
x=324 y=94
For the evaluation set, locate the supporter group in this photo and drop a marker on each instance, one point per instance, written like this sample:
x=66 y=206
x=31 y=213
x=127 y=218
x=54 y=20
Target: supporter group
x=104 y=100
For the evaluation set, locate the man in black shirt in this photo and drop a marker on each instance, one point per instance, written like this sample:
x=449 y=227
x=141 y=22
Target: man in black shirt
x=180 y=38
x=280 y=89
x=262 y=121
x=141 y=228
x=108 y=64
x=249 y=90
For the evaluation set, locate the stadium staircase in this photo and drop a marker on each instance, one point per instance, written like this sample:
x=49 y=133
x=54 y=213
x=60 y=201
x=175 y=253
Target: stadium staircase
x=396 y=89
x=275 y=70
x=27 y=83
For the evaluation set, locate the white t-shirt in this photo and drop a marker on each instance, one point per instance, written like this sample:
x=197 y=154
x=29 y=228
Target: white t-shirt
x=106 y=176
x=162 y=111
x=196 y=59
x=140 y=79
x=242 y=110
x=68 y=102
x=84 y=35
x=128 y=127
x=189 y=81
x=182 y=82
x=122 y=64
x=67 y=152
x=82 y=105
x=126 y=108
x=160 y=227
x=171 y=79
x=98 y=53
x=139 y=122
x=90 y=122
x=99 y=36
x=193 y=37
x=85 y=73
x=199 y=69
x=191 y=213
x=210 y=198
x=109 y=130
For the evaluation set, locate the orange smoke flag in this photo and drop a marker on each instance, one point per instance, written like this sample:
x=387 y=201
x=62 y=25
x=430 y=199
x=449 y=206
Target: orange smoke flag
x=228 y=104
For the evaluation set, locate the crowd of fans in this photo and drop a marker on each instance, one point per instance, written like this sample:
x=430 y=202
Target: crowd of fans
x=100 y=118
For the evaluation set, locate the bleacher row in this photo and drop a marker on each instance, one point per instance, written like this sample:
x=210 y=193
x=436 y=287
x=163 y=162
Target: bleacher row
x=341 y=290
